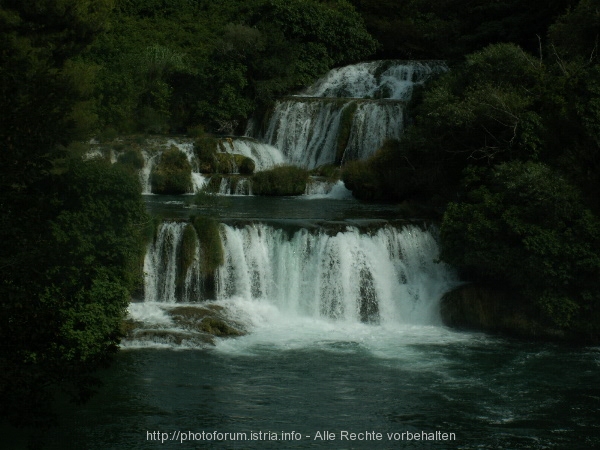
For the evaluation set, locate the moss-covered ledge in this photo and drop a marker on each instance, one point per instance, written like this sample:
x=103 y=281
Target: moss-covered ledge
x=493 y=310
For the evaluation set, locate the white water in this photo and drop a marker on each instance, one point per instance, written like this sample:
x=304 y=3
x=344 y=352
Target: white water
x=307 y=132
x=151 y=157
x=347 y=282
x=373 y=124
x=149 y=161
x=264 y=156
x=307 y=128
x=162 y=268
x=375 y=79
x=387 y=277
x=317 y=189
x=229 y=186
x=198 y=180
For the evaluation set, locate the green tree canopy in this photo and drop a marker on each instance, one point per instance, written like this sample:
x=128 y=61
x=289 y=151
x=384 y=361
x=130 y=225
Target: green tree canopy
x=523 y=225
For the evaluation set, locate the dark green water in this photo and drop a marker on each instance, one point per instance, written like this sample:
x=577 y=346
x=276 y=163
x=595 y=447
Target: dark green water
x=492 y=393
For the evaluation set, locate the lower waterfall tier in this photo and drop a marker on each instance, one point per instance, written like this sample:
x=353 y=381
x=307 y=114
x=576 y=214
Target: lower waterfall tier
x=386 y=275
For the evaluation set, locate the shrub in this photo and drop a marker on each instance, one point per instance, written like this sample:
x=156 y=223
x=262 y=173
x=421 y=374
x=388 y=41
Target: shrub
x=280 y=181
x=234 y=163
x=246 y=166
x=173 y=173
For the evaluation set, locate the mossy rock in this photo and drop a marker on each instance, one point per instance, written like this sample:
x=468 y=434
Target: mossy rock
x=331 y=172
x=214 y=184
x=208 y=319
x=128 y=327
x=174 y=337
x=173 y=173
x=186 y=254
x=218 y=327
x=280 y=181
x=215 y=156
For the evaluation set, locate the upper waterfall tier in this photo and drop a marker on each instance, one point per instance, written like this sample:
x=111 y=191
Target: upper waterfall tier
x=346 y=115
x=375 y=79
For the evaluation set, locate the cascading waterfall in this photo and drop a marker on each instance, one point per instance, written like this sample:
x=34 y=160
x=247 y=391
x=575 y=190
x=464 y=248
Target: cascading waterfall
x=345 y=115
x=149 y=161
x=384 y=276
x=373 y=123
x=310 y=132
x=316 y=188
x=323 y=273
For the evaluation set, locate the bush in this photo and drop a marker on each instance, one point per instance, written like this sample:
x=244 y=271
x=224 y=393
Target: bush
x=246 y=166
x=362 y=180
x=280 y=181
x=234 y=163
x=522 y=225
x=173 y=173
x=396 y=172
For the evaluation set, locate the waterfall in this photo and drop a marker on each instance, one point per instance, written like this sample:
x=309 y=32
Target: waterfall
x=347 y=114
x=375 y=79
x=311 y=133
x=146 y=171
x=316 y=189
x=384 y=276
x=264 y=156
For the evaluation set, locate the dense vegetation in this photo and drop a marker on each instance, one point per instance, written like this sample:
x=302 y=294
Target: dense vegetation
x=506 y=142
x=175 y=65
x=71 y=230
